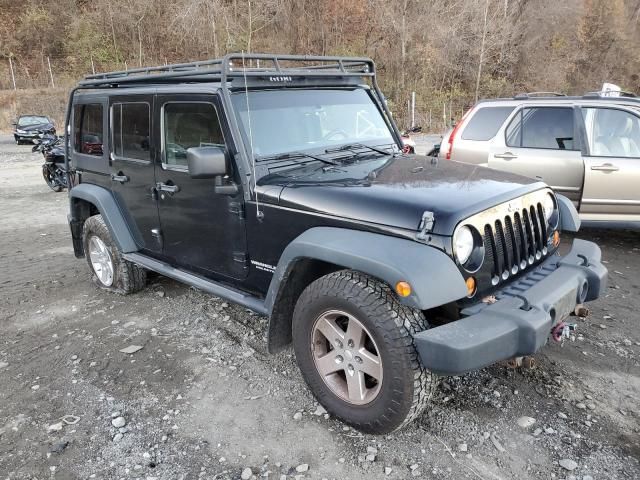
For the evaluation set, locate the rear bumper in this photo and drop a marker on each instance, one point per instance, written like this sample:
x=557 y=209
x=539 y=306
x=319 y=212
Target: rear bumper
x=520 y=321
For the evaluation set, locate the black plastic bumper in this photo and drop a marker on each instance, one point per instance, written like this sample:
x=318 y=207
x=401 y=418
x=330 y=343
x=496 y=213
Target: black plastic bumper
x=520 y=321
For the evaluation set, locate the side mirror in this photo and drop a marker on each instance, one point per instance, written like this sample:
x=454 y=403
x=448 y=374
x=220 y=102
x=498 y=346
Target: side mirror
x=206 y=162
x=15 y=124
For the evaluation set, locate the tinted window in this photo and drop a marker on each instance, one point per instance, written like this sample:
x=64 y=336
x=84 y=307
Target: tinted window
x=542 y=127
x=189 y=125
x=131 y=130
x=87 y=129
x=485 y=123
x=611 y=132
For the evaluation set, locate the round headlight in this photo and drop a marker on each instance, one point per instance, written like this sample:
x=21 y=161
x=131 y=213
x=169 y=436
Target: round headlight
x=463 y=244
x=548 y=205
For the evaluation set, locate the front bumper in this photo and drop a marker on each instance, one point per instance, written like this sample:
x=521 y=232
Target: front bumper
x=520 y=321
x=27 y=136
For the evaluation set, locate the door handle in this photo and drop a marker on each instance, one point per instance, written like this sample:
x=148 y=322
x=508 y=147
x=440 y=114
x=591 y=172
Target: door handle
x=163 y=187
x=505 y=155
x=119 y=178
x=605 y=167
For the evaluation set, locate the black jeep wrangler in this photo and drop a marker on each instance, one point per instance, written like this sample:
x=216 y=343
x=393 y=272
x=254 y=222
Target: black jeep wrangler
x=279 y=183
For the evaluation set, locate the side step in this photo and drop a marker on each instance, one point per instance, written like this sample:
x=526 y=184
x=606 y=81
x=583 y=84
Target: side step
x=249 y=301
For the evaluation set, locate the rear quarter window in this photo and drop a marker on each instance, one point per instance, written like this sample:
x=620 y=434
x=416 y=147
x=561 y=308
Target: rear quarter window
x=485 y=123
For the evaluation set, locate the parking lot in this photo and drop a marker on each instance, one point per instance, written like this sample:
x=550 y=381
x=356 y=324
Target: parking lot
x=203 y=399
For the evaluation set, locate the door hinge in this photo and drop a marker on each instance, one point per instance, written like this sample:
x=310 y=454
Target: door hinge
x=242 y=258
x=236 y=208
x=426 y=225
x=157 y=234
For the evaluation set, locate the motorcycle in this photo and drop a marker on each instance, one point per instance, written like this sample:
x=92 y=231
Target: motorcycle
x=408 y=142
x=53 y=169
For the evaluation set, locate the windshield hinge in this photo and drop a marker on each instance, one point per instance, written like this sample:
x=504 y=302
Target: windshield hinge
x=426 y=225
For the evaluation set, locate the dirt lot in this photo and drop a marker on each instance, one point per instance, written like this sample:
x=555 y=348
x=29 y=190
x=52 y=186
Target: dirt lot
x=203 y=399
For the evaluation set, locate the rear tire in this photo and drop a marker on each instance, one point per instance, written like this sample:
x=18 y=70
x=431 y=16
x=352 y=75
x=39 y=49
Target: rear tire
x=109 y=270
x=51 y=182
x=392 y=387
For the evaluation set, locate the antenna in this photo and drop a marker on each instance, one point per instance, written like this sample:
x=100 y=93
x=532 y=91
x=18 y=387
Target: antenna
x=259 y=214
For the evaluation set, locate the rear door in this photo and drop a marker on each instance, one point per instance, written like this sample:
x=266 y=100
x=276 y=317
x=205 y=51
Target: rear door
x=612 y=164
x=541 y=142
x=132 y=161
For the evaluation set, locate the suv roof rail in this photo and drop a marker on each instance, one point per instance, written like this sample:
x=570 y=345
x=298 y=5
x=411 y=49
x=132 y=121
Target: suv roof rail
x=236 y=65
x=538 y=94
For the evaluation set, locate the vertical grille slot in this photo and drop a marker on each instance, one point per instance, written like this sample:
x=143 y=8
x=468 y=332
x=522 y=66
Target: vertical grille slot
x=514 y=245
x=490 y=247
x=536 y=228
x=531 y=251
x=543 y=225
x=503 y=254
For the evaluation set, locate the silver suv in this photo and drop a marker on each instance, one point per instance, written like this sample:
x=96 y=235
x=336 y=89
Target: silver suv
x=587 y=148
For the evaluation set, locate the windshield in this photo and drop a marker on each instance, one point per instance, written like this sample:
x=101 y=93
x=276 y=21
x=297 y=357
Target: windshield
x=292 y=120
x=32 y=120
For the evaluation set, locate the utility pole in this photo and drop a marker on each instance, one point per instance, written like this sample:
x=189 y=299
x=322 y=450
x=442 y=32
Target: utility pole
x=13 y=76
x=93 y=67
x=484 y=37
x=413 y=109
x=53 y=85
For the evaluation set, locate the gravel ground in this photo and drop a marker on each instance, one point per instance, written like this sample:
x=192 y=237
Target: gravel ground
x=203 y=399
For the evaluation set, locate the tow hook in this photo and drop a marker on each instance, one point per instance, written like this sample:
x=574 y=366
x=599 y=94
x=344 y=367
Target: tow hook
x=562 y=331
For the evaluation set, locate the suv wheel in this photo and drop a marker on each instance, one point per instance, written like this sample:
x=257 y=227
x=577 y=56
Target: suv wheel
x=110 y=271
x=354 y=344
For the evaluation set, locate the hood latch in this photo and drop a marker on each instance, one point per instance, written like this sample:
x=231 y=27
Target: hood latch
x=426 y=225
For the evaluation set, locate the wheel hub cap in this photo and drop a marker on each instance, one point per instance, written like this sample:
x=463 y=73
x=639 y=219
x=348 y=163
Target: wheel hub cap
x=346 y=357
x=101 y=260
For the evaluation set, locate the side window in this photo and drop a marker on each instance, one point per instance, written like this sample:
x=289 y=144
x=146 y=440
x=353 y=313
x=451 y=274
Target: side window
x=612 y=132
x=542 y=127
x=130 y=123
x=189 y=125
x=485 y=123
x=87 y=129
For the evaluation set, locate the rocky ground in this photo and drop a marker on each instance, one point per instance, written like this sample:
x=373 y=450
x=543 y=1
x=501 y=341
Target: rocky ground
x=197 y=396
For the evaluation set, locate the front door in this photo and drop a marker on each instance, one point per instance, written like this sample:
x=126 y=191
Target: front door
x=540 y=142
x=612 y=164
x=201 y=230
x=132 y=161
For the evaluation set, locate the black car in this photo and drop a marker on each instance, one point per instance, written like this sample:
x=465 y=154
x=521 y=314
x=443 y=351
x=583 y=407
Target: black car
x=279 y=183
x=29 y=128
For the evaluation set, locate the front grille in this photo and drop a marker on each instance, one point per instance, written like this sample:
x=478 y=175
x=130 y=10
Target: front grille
x=515 y=241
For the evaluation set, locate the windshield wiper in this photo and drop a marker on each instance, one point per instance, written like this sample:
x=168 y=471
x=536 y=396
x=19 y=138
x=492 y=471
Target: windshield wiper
x=352 y=147
x=290 y=155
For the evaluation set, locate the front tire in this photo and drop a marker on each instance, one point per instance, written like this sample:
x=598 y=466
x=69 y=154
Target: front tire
x=353 y=341
x=109 y=270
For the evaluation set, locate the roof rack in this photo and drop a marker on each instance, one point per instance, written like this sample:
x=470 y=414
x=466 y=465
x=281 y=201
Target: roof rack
x=238 y=65
x=520 y=96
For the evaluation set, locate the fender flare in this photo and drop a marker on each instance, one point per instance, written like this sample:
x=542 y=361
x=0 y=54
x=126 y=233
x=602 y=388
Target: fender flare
x=113 y=217
x=569 y=219
x=432 y=274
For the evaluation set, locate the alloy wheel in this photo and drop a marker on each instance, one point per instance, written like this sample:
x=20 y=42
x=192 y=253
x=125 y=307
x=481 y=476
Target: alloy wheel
x=346 y=357
x=101 y=260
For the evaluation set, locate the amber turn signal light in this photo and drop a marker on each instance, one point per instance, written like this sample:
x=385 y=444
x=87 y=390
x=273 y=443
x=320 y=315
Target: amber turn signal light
x=471 y=286
x=403 y=289
x=556 y=238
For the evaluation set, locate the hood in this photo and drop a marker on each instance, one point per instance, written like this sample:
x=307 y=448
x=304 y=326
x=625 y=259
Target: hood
x=397 y=192
x=36 y=128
